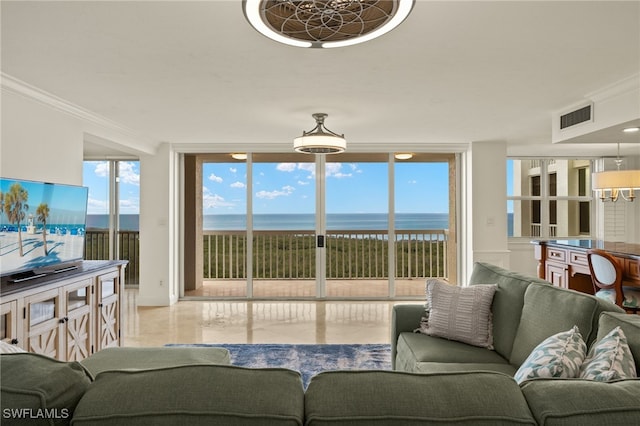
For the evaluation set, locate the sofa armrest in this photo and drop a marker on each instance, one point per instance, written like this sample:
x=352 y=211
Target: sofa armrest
x=404 y=318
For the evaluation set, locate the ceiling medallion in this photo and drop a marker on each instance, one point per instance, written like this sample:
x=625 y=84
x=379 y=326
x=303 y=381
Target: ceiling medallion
x=325 y=23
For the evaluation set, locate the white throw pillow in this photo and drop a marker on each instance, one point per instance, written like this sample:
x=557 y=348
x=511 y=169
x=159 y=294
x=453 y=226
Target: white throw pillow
x=560 y=355
x=609 y=359
x=6 y=348
x=459 y=313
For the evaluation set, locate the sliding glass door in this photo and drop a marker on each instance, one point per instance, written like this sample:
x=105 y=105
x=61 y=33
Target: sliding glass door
x=284 y=226
x=303 y=226
x=357 y=224
x=424 y=223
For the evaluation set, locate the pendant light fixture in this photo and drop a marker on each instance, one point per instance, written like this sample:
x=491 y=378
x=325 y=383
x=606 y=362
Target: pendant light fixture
x=613 y=183
x=320 y=140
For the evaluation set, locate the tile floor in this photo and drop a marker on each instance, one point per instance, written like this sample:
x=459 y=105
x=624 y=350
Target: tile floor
x=207 y=321
x=404 y=288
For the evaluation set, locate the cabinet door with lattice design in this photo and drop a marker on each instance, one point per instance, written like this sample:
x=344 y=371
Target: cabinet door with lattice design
x=79 y=320
x=43 y=315
x=108 y=294
x=10 y=326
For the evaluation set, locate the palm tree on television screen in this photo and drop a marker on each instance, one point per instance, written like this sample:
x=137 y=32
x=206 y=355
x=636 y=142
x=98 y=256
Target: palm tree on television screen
x=43 y=214
x=15 y=207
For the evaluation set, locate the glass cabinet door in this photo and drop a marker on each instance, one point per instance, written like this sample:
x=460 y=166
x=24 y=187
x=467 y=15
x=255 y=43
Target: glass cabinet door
x=43 y=324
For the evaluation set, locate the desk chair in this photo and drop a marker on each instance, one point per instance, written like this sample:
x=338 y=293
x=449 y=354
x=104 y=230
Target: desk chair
x=606 y=276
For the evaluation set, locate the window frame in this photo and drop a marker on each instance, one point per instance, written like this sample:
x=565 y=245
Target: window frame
x=546 y=200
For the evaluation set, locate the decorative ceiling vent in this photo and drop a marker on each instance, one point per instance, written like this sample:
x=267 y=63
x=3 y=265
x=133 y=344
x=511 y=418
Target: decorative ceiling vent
x=578 y=116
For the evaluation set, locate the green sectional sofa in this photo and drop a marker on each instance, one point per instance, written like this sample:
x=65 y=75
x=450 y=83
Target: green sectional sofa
x=435 y=381
x=525 y=311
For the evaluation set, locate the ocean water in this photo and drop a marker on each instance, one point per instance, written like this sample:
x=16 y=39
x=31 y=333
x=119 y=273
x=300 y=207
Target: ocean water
x=266 y=222
x=335 y=221
x=350 y=221
x=128 y=222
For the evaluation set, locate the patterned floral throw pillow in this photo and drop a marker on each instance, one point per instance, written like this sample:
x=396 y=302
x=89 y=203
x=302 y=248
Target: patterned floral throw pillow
x=609 y=359
x=560 y=355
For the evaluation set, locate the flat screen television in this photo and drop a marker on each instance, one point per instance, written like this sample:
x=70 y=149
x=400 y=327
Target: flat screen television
x=42 y=227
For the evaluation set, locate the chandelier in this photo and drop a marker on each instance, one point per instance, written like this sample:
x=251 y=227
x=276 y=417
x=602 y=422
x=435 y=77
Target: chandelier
x=325 y=23
x=612 y=184
x=320 y=140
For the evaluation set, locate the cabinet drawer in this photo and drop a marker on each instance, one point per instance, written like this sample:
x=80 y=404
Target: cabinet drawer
x=578 y=258
x=632 y=269
x=556 y=254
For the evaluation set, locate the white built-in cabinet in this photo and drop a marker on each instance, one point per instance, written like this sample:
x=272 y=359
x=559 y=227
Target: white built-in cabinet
x=65 y=316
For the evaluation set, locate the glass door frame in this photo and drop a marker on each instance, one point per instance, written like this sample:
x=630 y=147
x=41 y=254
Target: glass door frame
x=320 y=229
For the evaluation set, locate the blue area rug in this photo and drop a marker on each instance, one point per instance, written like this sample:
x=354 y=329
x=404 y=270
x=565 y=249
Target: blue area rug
x=309 y=360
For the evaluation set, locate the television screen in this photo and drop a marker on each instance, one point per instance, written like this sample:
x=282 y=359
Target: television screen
x=42 y=226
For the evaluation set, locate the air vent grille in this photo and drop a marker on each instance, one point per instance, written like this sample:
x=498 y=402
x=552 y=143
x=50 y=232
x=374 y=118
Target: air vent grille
x=575 y=117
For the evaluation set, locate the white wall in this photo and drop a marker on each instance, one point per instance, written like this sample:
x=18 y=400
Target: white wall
x=159 y=235
x=488 y=205
x=39 y=143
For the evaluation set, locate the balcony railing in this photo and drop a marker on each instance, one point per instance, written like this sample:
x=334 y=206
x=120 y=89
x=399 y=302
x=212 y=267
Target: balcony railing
x=96 y=247
x=536 y=230
x=349 y=254
x=292 y=254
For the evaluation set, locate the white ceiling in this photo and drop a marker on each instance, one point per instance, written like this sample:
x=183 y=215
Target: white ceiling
x=196 y=73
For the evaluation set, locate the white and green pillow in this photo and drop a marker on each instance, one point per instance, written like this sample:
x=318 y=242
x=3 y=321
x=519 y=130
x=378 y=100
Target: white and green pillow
x=609 y=359
x=560 y=355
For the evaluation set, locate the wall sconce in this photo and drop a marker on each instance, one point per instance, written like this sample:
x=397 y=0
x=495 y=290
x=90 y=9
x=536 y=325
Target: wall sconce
x=613 y=183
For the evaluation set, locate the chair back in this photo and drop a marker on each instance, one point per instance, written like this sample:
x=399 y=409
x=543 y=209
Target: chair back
x=606 y=272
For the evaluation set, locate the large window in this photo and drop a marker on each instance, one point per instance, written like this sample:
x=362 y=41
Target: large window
x=113 y=213
x=549 y=198
x=292 y=225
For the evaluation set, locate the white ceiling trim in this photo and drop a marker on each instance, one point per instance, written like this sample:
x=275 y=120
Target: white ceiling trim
x=13 y=85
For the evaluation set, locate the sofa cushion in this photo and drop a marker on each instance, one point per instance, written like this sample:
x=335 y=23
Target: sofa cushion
x=415 y=348
x=560 y=355
x=35 y=385
x=507 y=302
x=450 y=367
x=549 y=310
x=630 y=324
x=194 y=395
x=122 y=358
x=351 y=398
x=609 y=359
x=459 y=313
x=567 y=402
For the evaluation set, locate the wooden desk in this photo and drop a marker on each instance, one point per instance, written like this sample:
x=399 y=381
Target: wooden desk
x=564 y=262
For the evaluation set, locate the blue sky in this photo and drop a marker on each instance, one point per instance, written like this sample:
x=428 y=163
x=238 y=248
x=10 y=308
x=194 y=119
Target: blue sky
x=66 y=203
x=351 y=188
x=280 y=188
x=96 y=176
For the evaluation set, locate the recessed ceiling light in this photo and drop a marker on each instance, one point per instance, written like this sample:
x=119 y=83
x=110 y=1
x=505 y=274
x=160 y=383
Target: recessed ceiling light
x=631 y=129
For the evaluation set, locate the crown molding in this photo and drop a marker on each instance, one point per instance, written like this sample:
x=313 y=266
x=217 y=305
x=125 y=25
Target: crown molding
x=15 y=86
x=626 y=85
